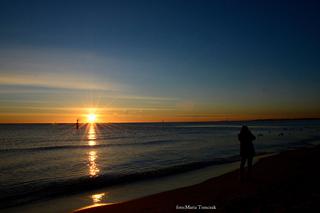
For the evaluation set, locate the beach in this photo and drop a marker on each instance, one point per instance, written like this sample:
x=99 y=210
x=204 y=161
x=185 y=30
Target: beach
x=287 y=182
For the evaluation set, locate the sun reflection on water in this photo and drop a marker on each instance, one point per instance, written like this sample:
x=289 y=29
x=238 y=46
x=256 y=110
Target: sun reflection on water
x=92 y=135
x=97 y=198
x=92 y=154
x=93 y=168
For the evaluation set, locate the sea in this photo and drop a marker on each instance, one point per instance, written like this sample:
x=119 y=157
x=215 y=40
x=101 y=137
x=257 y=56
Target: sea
x=44 y=161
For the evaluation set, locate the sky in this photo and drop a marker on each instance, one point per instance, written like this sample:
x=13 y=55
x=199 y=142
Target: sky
x=153 y=61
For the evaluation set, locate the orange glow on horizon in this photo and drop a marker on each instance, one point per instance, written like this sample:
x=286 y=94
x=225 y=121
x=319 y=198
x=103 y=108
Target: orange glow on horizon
x=119 y=116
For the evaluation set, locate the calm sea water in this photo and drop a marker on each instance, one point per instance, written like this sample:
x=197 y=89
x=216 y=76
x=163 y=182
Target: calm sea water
x=41 y=161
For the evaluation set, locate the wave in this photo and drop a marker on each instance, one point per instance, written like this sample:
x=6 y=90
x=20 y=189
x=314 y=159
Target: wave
x=15 y=140
x=34 y=191
x=47 y=148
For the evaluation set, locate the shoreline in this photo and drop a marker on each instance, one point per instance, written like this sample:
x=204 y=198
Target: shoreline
x=280 y=182
x=129 y=191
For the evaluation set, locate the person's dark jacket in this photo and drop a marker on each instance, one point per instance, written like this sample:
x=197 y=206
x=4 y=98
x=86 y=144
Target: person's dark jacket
x=246 y=146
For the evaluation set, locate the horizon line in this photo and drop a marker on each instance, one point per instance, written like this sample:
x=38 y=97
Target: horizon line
x=138 y=122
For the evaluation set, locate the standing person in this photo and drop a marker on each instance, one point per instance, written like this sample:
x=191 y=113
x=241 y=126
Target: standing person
x=246 y=150
x=77 y=125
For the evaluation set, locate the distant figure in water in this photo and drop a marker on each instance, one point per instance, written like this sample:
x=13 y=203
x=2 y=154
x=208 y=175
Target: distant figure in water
x=246 y=151
x=77 y=124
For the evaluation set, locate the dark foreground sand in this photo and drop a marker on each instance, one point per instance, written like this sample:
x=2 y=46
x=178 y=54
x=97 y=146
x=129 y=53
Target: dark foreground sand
x=288 y=182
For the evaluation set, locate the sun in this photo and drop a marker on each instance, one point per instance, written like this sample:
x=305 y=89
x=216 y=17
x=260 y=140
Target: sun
x=92 y=118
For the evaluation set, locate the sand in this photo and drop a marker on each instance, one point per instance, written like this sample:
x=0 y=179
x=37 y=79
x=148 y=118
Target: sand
x=281 y=183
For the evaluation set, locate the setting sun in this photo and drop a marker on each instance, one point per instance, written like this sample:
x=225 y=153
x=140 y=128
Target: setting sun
x=92 y=118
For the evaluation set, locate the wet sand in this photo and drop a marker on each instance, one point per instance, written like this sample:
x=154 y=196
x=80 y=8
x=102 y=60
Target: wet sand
x=282 y=183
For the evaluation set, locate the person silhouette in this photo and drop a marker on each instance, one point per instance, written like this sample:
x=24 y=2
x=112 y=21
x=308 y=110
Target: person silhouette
x=77 y=124
x=246 y=151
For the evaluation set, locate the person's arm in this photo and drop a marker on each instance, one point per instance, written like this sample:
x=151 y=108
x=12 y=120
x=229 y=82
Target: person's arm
x=253 y=137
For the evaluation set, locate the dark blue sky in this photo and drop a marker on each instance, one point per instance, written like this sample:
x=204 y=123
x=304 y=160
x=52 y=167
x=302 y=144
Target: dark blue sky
x=254 y=58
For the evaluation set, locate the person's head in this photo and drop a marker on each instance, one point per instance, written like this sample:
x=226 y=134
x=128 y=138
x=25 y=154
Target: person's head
x=244 y=130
